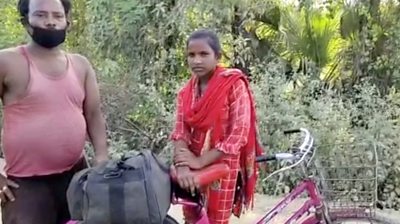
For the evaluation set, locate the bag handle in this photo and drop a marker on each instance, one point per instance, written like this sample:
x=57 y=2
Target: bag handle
x=146 y=154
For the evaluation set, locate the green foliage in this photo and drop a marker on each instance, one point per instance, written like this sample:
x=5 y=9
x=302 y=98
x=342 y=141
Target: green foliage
x=364 y=117
x=11 y=31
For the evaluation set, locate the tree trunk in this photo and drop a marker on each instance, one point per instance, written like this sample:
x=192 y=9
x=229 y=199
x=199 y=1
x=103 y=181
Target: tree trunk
x=237 y=31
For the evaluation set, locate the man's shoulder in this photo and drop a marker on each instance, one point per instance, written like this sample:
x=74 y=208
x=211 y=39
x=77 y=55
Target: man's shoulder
x=79 y=58
x=8 y=54
x=9 y=57
x=81 y=63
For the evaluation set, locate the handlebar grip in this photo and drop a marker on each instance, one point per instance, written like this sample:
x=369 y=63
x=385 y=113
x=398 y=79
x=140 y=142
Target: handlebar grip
x=261 y=159
x=291 y=131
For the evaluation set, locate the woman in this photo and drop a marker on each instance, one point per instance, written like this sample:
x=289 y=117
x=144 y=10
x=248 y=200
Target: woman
x=215 y=123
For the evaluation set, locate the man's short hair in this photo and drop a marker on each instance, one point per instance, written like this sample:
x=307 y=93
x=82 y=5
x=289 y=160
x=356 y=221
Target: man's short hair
x=23 y=8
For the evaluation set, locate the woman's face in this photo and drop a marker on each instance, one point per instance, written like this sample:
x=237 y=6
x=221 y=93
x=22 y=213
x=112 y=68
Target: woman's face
x=202 y=59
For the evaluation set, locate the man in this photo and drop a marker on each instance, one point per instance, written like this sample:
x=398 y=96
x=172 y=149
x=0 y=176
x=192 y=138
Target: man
x=51 y=103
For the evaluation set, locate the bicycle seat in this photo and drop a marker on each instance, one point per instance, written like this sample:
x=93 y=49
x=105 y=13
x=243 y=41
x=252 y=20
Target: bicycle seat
x=206 y=175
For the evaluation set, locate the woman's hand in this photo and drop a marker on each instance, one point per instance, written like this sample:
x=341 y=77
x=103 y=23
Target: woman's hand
x=186 y=179
x=184 y=157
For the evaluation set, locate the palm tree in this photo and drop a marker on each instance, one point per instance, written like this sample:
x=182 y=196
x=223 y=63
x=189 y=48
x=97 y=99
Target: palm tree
x=310 y=41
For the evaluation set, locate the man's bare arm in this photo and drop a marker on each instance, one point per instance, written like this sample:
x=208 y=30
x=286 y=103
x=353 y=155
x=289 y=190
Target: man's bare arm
x=6 y=193
x=3 y=69
x=94 y=117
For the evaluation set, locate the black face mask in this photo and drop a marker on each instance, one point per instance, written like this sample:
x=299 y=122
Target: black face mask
x=48 y=38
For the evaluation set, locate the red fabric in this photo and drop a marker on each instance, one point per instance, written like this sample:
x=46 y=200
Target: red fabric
x=227 y=108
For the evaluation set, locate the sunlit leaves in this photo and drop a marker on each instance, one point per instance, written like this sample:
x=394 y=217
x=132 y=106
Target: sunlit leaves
x=11 y=32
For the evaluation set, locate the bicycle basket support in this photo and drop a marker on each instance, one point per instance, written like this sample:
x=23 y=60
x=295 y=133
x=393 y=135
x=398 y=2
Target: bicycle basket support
x=347 y=178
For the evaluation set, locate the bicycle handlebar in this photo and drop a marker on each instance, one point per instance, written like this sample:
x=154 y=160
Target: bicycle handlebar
x=278 y=156
x=265 y=158
x=304 y=149
x=287 y=132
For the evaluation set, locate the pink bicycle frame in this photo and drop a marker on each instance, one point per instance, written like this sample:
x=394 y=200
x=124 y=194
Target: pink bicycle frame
x=307 y=185
x=202 y=219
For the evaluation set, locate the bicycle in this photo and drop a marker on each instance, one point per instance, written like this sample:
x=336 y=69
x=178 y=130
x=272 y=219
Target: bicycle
x=321 y=206
x=324 y=192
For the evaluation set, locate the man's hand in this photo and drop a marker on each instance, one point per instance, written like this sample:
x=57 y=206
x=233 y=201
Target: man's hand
x=100 y=158
x=186 y=179
x=184 y=157
x=5 y=191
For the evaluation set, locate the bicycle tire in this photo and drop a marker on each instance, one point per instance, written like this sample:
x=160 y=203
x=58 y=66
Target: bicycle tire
x=378 y=219
x=170 y=220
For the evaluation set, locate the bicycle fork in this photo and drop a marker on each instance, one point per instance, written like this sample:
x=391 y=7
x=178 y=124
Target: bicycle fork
x=314 y=201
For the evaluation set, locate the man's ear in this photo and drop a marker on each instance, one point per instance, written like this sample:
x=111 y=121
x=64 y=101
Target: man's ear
x=25 y=23
x=68 y=25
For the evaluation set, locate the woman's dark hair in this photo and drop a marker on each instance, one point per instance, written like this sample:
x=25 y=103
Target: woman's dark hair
x=23 y=8
x=209 y=36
